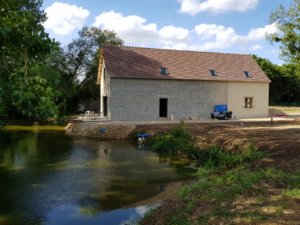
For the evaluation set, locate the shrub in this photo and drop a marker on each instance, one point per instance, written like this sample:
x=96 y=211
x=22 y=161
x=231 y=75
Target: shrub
x=217 y=157
x=178 y=140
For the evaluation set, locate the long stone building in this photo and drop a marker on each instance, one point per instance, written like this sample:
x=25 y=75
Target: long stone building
x=157 y=84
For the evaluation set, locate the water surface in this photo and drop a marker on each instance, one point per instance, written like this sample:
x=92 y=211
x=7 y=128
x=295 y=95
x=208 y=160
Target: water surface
x=49 y=178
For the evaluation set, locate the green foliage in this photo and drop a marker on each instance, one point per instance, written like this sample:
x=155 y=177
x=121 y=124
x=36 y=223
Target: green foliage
x=235 y=182
x=22 y=35
x=295 y=193
x=37 y=77
x=77 y=65
x=24 y=46
x=285 y=79
x=178 y=140
x=288 y=35
x=36 y=99
x=216 y=157
x=2 y=105
x=285 y=85
x=179 y=220
x=220 y=189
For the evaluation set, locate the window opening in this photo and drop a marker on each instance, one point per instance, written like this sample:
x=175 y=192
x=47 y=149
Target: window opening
x=164 y=71
x=248 y=102
x=247 y=74
x=213 y=73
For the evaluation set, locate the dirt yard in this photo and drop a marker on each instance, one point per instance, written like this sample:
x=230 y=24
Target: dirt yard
x=280 y=139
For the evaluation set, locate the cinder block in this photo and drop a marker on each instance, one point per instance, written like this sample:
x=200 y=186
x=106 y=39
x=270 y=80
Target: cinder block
x=138 y=99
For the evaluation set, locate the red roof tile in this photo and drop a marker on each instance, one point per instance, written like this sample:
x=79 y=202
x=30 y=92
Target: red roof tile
x=135 y=62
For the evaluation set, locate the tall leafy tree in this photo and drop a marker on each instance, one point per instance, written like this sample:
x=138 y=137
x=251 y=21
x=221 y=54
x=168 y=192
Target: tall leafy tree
x=284 y=86
x=24 y=46
x=288 y=35
x=78 y=64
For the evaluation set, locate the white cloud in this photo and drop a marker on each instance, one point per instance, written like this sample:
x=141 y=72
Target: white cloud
x=63 y=18
x=194 y=7
x=219 y=37
x=135 y=29
x=182 y=46
x=174 y=33
x=260 y=33
x=255 y=47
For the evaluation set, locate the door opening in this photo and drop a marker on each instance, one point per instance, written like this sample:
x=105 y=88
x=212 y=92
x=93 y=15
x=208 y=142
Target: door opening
x=105 y=106
x=163 y=107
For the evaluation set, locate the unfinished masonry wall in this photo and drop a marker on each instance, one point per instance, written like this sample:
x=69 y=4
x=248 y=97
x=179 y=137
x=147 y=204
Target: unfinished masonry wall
x=138 y=99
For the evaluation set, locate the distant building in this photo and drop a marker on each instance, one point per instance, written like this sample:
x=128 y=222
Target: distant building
x=158 y=84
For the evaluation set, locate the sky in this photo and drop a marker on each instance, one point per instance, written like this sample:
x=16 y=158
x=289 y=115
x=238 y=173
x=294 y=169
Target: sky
x=230 y=26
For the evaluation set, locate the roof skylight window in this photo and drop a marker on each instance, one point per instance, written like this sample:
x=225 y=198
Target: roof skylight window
x=247 y=74
x=213 y=73
x=164 y=71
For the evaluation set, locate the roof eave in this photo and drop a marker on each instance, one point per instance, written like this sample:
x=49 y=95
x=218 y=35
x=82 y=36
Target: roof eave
x=183 y=79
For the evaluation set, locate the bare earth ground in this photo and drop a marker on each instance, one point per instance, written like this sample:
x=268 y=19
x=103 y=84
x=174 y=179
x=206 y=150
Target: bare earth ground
x=280 y=139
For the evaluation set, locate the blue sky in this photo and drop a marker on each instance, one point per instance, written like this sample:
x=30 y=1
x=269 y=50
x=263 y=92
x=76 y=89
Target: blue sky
x=236 y=26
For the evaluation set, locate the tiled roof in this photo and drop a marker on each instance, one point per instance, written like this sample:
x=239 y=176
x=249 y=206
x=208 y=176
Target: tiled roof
x=146 y=63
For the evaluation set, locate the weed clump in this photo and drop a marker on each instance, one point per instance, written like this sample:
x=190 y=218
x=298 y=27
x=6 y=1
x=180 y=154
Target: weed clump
x=176 y=141
x=216 y=157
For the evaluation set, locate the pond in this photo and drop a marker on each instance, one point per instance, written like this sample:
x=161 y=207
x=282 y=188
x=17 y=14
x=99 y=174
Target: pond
x=49 y=178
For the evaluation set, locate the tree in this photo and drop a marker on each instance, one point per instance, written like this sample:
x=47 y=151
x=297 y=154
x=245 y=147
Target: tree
x=24 y=46
x=288 y=35
x=284 y=87
x=278 y=80
x=78 y=64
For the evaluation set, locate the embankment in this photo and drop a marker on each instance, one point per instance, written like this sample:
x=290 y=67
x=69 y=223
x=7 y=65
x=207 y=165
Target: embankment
x=99 y=130
x=280 y=138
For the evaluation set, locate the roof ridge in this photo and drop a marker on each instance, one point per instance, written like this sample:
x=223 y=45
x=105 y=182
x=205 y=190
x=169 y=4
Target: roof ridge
x=177 y=50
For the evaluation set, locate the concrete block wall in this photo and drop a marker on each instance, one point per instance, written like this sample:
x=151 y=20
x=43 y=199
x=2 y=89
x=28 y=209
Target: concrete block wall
x=138 y=99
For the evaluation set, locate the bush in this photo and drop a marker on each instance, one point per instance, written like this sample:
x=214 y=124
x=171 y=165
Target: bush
x=216 y=157
x=178 y=140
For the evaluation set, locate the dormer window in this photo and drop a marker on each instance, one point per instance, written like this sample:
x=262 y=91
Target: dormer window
x=213 y=73
x=247 y=74
x=164 y=71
